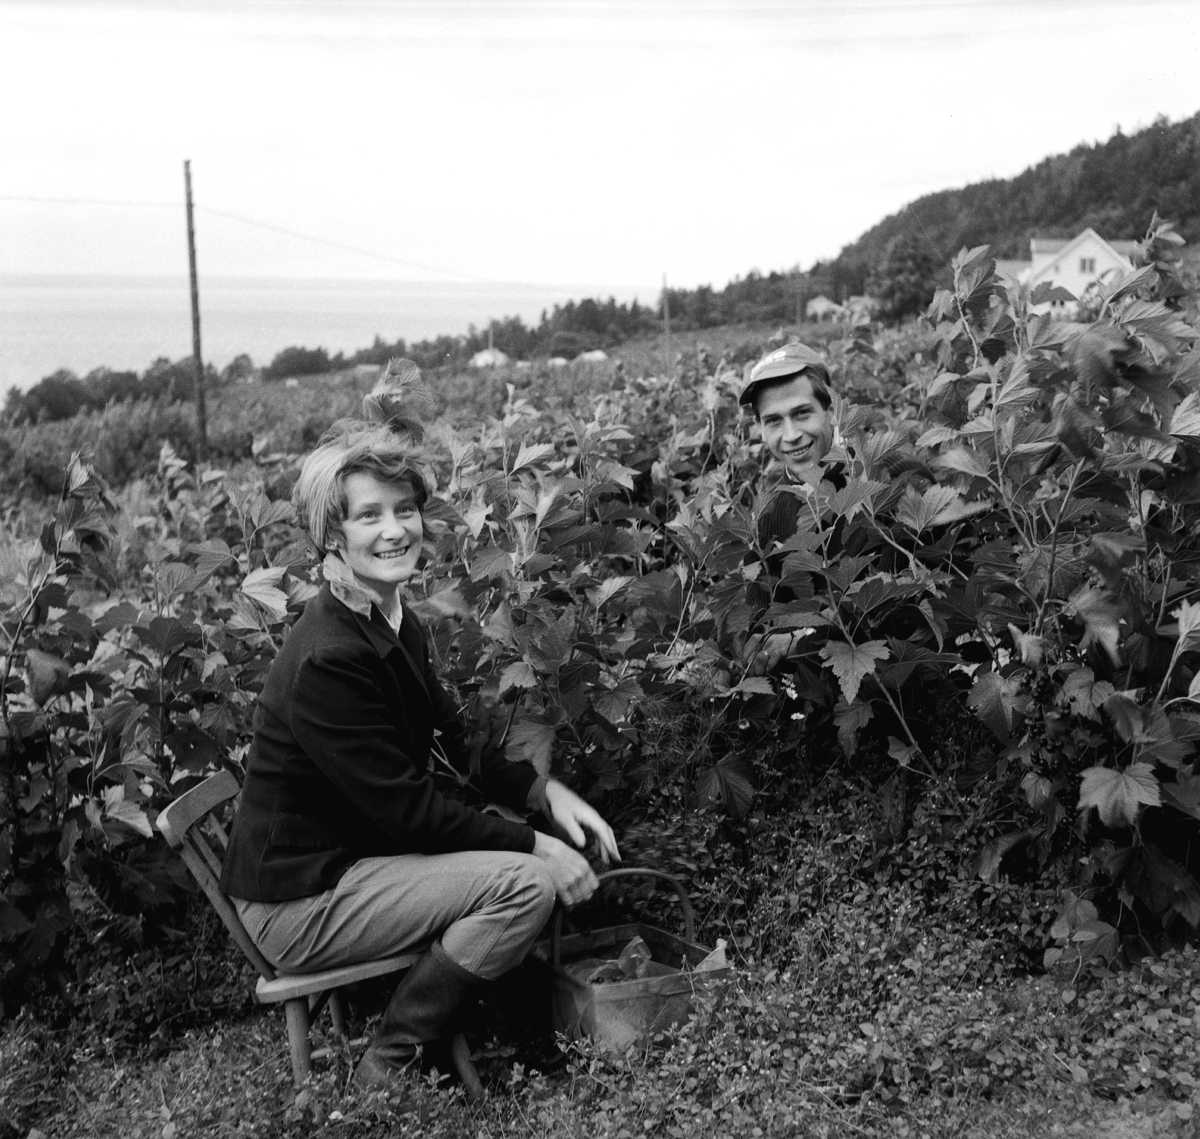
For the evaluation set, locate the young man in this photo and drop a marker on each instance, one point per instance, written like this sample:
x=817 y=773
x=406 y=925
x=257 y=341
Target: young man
x=788 y=391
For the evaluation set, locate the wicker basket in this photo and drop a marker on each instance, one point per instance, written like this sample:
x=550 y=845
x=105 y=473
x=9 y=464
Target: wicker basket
x=619 y=1013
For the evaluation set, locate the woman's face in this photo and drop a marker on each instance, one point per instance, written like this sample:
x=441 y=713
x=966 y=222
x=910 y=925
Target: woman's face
x=382 y=532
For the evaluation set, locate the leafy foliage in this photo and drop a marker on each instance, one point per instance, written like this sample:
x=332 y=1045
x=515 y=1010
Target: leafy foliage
x=994 y=582
x=1078 y=441
x=108 y=702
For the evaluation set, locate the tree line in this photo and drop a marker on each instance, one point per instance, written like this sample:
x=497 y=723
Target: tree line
x=1111 y=186
x=566 y=330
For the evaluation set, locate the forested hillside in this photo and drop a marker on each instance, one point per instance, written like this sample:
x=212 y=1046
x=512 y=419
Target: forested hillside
x=1114 y=187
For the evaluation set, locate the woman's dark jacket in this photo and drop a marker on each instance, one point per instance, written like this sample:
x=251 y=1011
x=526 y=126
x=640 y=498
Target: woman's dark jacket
x=339 y=766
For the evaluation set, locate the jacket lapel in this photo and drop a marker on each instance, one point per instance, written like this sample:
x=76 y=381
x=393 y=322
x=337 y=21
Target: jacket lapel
x=410 y=647
x=401 y=649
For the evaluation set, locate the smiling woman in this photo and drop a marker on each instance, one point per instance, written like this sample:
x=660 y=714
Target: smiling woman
x=363 y=502
x=381 y=536
x=344 y=849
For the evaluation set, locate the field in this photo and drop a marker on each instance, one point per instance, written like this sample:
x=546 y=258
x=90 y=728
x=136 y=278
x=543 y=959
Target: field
x=950 y=846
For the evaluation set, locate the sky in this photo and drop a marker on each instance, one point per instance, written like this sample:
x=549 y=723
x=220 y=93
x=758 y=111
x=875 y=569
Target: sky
x=549 y=142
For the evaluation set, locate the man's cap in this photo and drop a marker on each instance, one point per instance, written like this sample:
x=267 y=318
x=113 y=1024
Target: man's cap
x=790 y=360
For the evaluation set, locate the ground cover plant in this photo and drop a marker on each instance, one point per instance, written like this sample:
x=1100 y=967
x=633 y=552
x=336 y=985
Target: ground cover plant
x=949 y=845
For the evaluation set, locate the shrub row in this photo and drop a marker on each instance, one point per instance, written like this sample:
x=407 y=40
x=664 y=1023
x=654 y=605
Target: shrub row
x=1015 y=540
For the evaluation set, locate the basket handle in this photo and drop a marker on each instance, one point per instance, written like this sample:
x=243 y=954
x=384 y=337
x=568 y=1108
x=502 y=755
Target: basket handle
x=689 y=915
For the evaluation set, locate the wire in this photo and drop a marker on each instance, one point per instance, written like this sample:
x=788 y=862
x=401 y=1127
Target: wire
x=84 y=201
x=339 y=245
x=940 y=254
x=288 y=232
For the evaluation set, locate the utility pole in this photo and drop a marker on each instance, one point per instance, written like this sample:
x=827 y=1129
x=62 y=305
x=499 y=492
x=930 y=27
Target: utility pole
x=666 y=298
x=201 y=409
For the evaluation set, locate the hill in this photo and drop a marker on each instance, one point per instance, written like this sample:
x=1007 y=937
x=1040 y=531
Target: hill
x=1115 y=187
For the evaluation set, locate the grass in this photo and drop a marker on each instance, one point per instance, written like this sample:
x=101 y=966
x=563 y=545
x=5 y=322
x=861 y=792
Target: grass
x=879 y=992
x=233 y=1079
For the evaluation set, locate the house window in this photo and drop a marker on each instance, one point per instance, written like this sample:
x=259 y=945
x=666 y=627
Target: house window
x=1087 y=264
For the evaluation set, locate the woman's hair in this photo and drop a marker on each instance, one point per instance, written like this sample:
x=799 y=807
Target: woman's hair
x=350 y=447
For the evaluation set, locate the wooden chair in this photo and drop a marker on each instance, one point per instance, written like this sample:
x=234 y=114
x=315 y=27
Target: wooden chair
x=303 y=996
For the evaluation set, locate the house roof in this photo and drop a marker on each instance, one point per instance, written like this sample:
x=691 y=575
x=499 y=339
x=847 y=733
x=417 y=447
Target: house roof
x=1064 y=249
x=489 y=358
x=1058 y=247
x=1048 y=245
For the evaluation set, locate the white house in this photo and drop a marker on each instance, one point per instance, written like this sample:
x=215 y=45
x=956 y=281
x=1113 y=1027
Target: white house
x=489 y=358
x=1072 y=263
x=822 y=308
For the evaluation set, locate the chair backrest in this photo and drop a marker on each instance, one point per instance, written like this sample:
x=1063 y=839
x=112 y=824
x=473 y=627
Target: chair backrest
x=184 y=825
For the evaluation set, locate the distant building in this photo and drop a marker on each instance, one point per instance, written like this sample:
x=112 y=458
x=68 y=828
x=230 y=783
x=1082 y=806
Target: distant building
x=1070 y=263
x=861 y=308
x=822 y=308
x=489 y=358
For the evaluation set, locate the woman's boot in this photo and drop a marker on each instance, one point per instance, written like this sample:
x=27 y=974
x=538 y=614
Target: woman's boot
x=426 y=1008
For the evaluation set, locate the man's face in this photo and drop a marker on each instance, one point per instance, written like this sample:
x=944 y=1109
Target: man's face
x=797 y=430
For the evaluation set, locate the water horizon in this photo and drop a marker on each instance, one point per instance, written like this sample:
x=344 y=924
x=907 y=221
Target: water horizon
x=81 y=322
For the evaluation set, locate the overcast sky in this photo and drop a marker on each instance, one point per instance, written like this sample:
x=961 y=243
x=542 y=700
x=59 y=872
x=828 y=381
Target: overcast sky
x=550 y=142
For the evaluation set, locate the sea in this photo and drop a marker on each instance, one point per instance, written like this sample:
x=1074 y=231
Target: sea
x=80 y=323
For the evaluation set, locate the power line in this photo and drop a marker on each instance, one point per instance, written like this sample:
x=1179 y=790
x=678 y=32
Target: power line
x=284 y=230
x=345 y=248
x=83 y=201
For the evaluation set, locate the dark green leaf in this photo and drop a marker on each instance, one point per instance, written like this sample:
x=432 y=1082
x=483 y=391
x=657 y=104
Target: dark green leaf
x=727 y=781
x=120 y=616
x=167 y=635
x=12 y=921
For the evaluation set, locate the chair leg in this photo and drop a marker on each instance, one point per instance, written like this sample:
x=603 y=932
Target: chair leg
x=298 y=1042
x=460 y=1056
x=337 y=1013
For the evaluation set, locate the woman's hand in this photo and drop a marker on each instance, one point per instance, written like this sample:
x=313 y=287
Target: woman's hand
x=574 y=879
x=574 y=817
x=765 y=651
